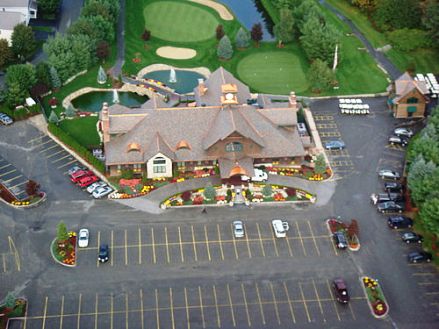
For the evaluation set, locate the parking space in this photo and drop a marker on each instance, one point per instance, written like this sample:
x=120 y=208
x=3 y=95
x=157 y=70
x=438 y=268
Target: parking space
x=327 y=127
x=54 y=153
x=426 y=277
x=254 y=304
x=207 y=243
x=9 y=256
x=13 y=179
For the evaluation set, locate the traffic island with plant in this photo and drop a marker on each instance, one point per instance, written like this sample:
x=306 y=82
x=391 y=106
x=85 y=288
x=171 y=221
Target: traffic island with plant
x=375 y=297
x=225 y=195
x=350 y=231
x=34 y=195
x=63 y=247
x=12 y=307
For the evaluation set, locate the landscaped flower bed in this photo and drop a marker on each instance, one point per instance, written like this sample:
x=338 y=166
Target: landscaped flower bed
x=65 y=250
x=33 y=199
x=350 y=231
x=304 y=172
x=15 y=310
x=375 y=297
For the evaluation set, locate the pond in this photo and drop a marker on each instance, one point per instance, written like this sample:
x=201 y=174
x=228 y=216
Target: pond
x=185 y=81
x=92 y=101
x=250 y=12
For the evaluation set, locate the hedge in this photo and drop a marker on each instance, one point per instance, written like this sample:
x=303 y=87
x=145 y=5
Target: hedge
x=75 y=146
x=22 y=113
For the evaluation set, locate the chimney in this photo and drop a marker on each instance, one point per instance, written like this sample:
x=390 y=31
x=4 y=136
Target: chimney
x=292 y=101
x=201 y=87
x=105 y=123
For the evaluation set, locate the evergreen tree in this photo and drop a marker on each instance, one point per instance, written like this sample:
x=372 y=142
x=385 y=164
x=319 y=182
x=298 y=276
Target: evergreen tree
x=257 y=33
x=431 y=21
x=10 y=300
x=56 y=82
x=53 y=118
x=70 y=111
x=209 y=192
x=61 y=231
x=225 y=49
x=284 y=30
x=102 y=76
x=320 y=76
x=23 y=42
x=429 y=215
x=267 y=191
x=320 y=164
x=219 y=32
x=242 y=39
x=5 y=53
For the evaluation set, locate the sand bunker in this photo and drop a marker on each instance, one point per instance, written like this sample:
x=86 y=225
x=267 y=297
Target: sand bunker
x=220 y=9
x=176 y=52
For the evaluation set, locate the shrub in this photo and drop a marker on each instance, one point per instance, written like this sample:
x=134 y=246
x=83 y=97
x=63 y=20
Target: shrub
x=267 y=190
x=198 y=199
x=186 y=195
x=229 y=195
x=409 y=39
x=249 y=194
x=291 y=191
x=209 y=192
x=127 y=174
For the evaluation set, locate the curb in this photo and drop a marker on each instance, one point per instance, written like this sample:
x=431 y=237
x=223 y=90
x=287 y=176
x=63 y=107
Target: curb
x=268 y=203
x=26 y=206
x=56 y=260
x=370 y=305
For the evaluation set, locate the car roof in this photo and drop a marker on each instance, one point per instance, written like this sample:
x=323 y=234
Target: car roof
x=340 y=283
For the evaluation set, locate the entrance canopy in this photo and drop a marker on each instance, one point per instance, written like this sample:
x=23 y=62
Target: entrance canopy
x=229 y=168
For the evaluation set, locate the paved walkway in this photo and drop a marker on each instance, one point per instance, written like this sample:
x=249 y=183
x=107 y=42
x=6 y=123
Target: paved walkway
x=151 y=202
x=379 y=57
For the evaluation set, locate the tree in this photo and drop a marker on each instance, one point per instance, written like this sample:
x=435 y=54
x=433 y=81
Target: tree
x=420 y=172
x=209 y=192
x=102 y=50
x=56 y=82
x=242 y=39
x=320 y=76
x=23 y=42
x=225 y=49
x=303 y=12
x=10 y=300
x=98 y=8
x=42 y=70
x=19 y=79
x=70 y=111
x=284 y=30
x=53 y=118
x=429 y=215
x=219 y=32
x=32 y=187
x=102 y=76
x=5 y=53
x=146 y=35
x=95 y=27
x=61 y=232
x=353 y=228
x=367 y=6
x=320 y=164
x=257 y=33
x=267 y=191
x=431 y=20
x=48 y=6
x=397 y=14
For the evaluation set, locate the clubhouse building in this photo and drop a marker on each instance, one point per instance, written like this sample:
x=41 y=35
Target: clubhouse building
x=225 y=127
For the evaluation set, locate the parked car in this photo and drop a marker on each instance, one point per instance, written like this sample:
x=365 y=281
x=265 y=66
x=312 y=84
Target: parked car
x=79 y=174
x=104 y=253
x=419 y=256
x=410 y=237
x=384 y=197
x=399 y=222
x=340 y=290
x=74 y=169
x=86 y=181
x=83 y=238
x=100 y=192
x=238 y=229
x=403 y=132
x=335 y=145
x=393 y=187
x=390 y=206
x=398 y=140
x=340 y=240
x=94 y=186
x=280 y=228
x=260 y=176
x=389 y=174
x=6 y=119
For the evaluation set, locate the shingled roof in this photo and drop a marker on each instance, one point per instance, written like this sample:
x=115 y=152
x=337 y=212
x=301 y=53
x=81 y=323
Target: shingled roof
x=405 y=84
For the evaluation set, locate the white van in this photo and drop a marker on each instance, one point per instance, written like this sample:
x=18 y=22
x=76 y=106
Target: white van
x=260 y=176
x=280 y=228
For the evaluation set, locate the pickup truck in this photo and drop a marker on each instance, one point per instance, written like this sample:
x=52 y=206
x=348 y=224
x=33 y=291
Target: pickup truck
x=385 y=197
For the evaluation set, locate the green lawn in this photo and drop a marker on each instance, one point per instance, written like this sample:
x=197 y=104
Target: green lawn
x=274 y=72
x=177 y=21
x=83 y=130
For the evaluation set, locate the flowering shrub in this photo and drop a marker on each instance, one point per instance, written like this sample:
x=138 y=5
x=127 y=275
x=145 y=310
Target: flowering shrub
x=53 y=101
x=375 y=296
x=278 y=197
x=198 y=199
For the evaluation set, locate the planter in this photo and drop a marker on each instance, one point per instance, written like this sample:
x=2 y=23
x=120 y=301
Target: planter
x=375 y=298
x=353 y=243
x=68 y=258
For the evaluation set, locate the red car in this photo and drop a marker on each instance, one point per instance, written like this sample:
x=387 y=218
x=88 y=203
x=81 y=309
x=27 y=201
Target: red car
x=341 y=291
x=86 y=181
x=79 y=174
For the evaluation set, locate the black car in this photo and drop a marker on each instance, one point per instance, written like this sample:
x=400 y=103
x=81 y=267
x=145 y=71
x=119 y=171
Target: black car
x=410 y=237
x=340 y=240
x=340 y=290
x=419 y=256
x=398 y=140
x=399 y=222
x=393 y=187
x=390 y=206
x=384 y=197
x=104 y=253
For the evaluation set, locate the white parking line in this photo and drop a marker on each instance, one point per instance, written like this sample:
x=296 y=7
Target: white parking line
x=22 y=183
x=37 y=138
x=53 y=154
x=10 y=180
x=58 y=160
x=7 y=173
x=5 y=166
x=66 y=164
x=48 y=141
x=49 y=148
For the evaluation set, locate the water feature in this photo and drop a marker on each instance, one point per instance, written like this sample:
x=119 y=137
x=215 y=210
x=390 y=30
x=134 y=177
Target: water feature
x=92 y=101
x=187 y=80
x=172 y=76
x=250 y=12
x=115 y=96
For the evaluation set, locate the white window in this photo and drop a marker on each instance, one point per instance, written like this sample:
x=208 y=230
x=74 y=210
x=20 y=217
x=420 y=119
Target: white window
x=234 y=147
x=159 y=165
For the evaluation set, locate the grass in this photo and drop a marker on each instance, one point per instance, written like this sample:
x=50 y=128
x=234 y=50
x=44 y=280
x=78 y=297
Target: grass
x=424 y=60
x=83 y=130
x=175 y=21
x=48 y=29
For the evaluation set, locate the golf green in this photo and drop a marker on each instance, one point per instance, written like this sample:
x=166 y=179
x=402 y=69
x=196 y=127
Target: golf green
x=277 y=72
x=176 y=21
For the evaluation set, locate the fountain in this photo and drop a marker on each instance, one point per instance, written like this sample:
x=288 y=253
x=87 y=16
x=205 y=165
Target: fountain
x=172 y=76
x=115 y=96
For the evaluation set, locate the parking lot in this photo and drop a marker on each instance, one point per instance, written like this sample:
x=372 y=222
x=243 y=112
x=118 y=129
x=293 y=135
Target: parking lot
x=10 y=256
x=224 y=305
x=208 y=243
x=13 y=179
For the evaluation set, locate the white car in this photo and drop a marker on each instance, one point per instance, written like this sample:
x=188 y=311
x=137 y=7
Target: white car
x=94 y=186
x=83 y=238
x=389 y=174
x=100 y=192
x=403 y=132
x=238 y=229
x=280 y=228
x=260 y=176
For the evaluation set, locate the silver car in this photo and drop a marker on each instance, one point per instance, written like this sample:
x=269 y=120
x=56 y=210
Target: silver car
x=238 y=229
x=403 y=132
x=389 y=174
